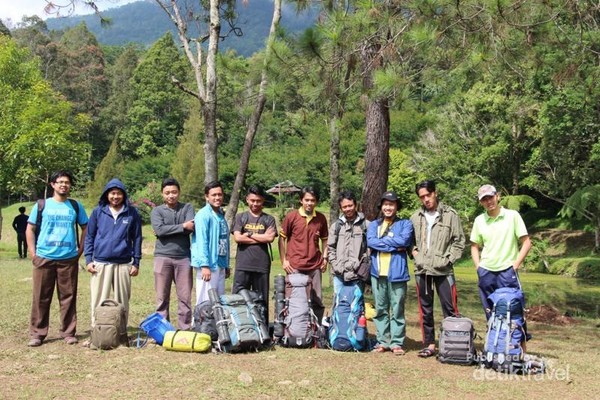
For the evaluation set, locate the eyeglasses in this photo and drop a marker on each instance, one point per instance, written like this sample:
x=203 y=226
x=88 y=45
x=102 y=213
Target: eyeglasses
x=66 y=183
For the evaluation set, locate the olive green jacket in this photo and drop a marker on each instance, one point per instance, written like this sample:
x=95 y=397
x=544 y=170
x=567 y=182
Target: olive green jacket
x=446 y=244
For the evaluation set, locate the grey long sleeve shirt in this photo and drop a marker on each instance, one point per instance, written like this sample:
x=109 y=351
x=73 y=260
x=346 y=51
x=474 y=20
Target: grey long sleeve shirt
x=171 y=239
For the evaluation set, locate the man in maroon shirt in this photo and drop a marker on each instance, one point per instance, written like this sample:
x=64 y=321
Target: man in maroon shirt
x=301 y=232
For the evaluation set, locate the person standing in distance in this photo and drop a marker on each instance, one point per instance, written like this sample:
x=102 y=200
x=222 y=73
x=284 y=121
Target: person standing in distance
x=55 y=255
x=210 y=244
x=438 y=243
x=172 y=223
x=495 y=240
x=20 y=226
x=299 y=237
x=254 y=231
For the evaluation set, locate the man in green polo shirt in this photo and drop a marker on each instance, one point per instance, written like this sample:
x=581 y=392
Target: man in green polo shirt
x=495 y=240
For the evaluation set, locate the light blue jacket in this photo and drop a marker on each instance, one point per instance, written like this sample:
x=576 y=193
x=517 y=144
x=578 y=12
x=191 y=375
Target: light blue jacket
x=205 y=240
x=399 y=235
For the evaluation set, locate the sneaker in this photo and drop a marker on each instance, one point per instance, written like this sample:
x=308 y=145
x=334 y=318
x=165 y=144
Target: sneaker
x=71 y=340
x=34 y=342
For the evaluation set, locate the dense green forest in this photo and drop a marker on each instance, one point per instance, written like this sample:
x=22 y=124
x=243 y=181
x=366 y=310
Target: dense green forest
x=468 y=93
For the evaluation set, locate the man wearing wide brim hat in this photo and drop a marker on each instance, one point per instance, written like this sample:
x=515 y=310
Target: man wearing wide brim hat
x=389 y=237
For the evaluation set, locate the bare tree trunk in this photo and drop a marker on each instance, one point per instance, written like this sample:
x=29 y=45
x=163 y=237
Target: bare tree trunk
x=334 y=167
x=516 y=156
x=206 y=92
x=377 y=158
x=254 y=121
x=211 y=164
x=377 y=120
x=597 y=236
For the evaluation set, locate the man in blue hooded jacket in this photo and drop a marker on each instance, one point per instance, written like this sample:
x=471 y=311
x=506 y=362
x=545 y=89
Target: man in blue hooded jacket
x=113 y=246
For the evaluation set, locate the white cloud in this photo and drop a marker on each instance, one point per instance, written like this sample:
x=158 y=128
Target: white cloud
x=16 y=9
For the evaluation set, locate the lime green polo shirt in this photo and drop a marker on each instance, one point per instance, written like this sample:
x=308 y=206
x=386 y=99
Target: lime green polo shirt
x=499 y=238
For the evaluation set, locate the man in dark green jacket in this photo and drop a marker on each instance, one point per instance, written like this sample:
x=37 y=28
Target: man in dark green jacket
x=439 y=243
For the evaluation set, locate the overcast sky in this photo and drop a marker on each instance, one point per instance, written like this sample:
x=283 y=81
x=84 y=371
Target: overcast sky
x=15 y=9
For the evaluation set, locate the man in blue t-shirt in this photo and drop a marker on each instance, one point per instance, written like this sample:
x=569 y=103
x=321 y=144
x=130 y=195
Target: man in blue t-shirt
x=55 y=250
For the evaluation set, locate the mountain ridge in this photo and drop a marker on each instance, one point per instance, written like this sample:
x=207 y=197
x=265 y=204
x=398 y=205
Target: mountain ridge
x=254 y=21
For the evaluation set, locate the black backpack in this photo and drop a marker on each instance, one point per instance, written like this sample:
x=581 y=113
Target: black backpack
x=204 y=320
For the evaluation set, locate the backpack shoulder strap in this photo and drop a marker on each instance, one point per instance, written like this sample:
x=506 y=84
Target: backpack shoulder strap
x=75 y=206
x=41 y=203
x=244 y=220
x=269 y=248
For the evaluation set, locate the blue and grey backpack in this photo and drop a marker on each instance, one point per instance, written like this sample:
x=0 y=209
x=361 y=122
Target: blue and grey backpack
x=503 y=351
x=239 y=321
x=345 y=334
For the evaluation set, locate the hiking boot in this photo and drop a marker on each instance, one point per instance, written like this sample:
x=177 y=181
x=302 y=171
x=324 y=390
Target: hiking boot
x=35 y=342
x=71 y=340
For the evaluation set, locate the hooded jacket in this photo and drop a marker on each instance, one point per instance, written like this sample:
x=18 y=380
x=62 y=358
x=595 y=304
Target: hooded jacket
x=110 y=240
x=346 y=246
x=447 y=241
x=399 y=235
x=205 y=239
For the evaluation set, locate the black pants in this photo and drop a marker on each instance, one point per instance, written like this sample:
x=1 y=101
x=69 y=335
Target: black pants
x=257 y=281
x=446 y=290
x=22 y=245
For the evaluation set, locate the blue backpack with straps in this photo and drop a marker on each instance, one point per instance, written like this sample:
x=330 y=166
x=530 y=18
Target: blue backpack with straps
x=503 y=351
x=344 y=333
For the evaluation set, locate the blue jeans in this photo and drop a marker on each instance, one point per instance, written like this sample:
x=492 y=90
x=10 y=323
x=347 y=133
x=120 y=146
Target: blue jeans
x=338 y=282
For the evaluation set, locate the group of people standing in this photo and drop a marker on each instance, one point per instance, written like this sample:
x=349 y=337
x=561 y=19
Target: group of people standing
x=433 y=237
x=357 y=250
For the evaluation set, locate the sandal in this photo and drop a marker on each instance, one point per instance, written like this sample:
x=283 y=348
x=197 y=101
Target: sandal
x=426 y=352
x=380 y=349
x=398 y=351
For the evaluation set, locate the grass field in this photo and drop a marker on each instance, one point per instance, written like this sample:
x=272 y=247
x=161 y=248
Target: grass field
x=56 y=370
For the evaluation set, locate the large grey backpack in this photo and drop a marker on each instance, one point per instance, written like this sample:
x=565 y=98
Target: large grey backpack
x=457 y=341
x=110 y=328
x=239 y=321
x=298 y=319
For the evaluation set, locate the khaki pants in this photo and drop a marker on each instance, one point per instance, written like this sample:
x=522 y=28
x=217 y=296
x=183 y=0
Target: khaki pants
x=107 y=277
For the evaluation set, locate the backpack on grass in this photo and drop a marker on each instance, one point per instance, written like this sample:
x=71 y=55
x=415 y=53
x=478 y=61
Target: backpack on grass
x=204 y=320
x=345 y=332
x=110 y=327
x=503 y=349
x=239 y=321
x=457 y=341
x=296 y=324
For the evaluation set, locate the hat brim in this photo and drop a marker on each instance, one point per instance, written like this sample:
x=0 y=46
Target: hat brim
x=486 y=194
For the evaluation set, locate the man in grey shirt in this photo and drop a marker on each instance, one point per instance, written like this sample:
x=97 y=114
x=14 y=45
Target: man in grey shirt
x=173 y=222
